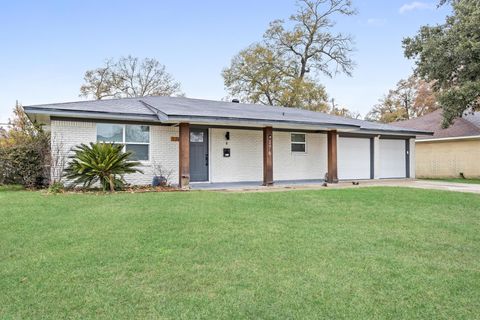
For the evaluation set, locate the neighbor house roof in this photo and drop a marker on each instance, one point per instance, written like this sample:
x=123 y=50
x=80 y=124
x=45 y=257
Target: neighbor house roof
x=179 y=109
x=461 y=127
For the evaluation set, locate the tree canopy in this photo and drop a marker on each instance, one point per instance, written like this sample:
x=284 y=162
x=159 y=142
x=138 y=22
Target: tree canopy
x=449 y=55
x=284 y=67
x=129 y=77
x=411 y=98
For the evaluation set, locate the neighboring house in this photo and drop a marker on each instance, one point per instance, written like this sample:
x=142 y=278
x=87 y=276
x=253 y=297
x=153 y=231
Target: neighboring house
x=213 y=141
x=449 y=152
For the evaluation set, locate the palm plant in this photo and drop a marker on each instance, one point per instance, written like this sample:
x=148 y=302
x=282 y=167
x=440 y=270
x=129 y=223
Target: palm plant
x=100 y=162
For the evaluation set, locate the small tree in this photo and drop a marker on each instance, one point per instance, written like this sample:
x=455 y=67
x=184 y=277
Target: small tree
x=100 y=162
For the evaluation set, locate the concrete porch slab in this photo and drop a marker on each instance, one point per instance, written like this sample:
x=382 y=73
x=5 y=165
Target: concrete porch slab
x=252 y=185
x=256 y=186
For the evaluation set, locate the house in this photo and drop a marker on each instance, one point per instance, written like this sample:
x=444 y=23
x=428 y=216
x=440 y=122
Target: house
x=449 y=152
x=204 y=141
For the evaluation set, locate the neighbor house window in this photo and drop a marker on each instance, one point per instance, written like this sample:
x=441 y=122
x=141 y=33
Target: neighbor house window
x=134 y=138
x=298 y=142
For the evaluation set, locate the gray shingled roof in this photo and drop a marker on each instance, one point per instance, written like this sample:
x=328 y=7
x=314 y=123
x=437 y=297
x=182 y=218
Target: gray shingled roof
x=174 y=109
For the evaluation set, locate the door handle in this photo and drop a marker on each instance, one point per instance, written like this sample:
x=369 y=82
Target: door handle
x=206 y=159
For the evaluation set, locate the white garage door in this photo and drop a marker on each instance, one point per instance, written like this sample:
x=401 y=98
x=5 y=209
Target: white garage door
x=392 y=158
x=353 y=158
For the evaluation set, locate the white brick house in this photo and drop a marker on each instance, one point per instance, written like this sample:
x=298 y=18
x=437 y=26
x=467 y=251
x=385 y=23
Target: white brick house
x=201 y=141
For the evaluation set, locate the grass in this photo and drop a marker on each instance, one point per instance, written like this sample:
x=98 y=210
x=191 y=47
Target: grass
x=458 y=180
x=11 y=187
x=367 y=253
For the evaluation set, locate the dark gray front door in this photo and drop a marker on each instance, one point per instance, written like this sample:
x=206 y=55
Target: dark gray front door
x=198 y=154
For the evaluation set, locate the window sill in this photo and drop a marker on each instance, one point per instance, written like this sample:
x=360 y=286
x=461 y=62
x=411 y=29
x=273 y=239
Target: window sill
x=299 y=153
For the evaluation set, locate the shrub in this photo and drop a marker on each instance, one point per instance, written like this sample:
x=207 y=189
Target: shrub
x=24 y=152
x=100 y=162
x=56 y=187
x=25 y=161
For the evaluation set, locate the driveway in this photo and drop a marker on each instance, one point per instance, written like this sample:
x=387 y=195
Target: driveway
x=443 y=185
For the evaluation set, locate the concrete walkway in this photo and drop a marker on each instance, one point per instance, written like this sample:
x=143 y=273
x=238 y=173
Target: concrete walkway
x=316 y=184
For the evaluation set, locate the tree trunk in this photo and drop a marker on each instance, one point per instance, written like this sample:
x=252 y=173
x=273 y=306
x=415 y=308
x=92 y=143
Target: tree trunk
x=111 y=182
x=303 y=69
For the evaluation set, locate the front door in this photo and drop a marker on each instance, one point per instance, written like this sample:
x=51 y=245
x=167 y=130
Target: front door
x=198 y=155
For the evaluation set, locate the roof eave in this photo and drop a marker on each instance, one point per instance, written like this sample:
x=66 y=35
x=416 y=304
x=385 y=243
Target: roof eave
x=412 y=133
x=475 y=137
x=258 y=122
x=89 y=114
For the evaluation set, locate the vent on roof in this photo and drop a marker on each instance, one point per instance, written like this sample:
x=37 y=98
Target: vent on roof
x=235 y=101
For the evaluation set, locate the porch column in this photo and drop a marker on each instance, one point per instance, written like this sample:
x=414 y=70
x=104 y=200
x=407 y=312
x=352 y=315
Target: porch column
x=332 y=176
x=267 y=156
x=184 y=156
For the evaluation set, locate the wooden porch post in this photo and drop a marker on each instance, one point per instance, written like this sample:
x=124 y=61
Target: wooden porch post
x=267 y=156
x=184 y=156
x=332 y=176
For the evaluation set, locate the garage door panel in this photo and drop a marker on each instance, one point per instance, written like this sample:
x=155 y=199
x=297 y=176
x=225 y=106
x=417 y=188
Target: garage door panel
x=353 y=158
x=392 y=158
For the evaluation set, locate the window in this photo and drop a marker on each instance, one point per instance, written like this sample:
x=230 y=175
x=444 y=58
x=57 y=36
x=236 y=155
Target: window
x=196 y=136
x=298 y=142
x=135 y=138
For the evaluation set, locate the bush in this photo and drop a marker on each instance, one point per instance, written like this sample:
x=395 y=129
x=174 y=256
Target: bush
x=100 y=162
x=24 y=152
x=56 y=187
x=26 y=161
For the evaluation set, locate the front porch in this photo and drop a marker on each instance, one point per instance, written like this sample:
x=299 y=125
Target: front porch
x=255 y=155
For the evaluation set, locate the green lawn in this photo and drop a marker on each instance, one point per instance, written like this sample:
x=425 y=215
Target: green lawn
x=459 y=180
x=11 y=187
x=366 y=253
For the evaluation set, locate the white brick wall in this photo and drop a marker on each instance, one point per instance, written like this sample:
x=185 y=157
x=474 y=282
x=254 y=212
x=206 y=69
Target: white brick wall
x=289 y=165
x=246 y=160
x=163 y=151
x=65 y=136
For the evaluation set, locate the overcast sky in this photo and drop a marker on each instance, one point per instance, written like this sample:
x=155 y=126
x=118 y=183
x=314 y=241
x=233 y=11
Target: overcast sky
x=46 y=46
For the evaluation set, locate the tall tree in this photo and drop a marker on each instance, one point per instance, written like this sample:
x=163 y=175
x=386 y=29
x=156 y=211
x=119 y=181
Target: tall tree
x=449 y=54
x=129 y=77
x=411 y=98
x=283 y=68
x=260 y=75
x=311 y=44
x=100 y=83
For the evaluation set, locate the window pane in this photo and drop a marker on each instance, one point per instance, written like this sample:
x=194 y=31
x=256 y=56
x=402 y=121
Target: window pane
x=298 y=147
x=298 y=137
x=137 y=133
x=196 y=136
x=109 y=132
x=139 y=151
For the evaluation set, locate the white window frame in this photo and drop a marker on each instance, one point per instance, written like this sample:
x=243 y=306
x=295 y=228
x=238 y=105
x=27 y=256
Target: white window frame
x=304 y=143
x=124 y=142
